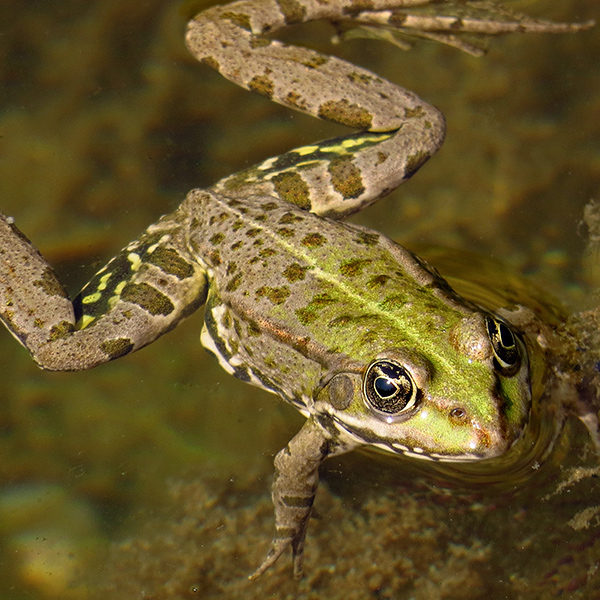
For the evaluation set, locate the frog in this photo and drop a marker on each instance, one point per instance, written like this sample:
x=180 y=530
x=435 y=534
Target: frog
x=359 y=334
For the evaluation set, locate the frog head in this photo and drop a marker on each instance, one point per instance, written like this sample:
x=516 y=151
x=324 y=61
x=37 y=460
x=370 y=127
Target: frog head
x=469 y=401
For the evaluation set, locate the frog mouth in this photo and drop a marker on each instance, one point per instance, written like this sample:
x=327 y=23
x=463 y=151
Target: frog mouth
x=486 y=443
x=365 y=437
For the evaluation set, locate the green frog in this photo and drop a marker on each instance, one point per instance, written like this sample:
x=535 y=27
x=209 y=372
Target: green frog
x=362 y=336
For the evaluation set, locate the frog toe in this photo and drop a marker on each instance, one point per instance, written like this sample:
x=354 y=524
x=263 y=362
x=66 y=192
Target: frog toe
x=278 y=546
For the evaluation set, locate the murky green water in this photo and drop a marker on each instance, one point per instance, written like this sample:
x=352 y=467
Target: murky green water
x=149 y=477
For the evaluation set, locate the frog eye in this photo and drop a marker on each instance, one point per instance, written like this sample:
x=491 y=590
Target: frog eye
x=389 y=387
x=504 y=344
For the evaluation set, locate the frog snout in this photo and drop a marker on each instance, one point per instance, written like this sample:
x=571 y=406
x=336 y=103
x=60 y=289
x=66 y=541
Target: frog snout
x=489 y=440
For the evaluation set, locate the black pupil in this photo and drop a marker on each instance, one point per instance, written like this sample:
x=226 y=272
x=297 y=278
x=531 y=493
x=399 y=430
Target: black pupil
x=506 y=336
x=385 y=387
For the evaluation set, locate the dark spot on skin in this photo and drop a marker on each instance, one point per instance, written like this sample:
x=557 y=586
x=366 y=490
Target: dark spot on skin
x=369 y=337
x=358 y=6
x=277 y=295
x=289 y=217
x=295 y=100
x=285 y=532
x=315 y=61
x=346 y=177
x=345 y=113
x=253 y=329
x=415 y=162
x=236 y=181
x=227 y=321
x=286 y=232
x=377 y=281
x=352 y=268
x=397 y=19
x=412 y=113
x=147 y=298
x=382 y=157
x=117 y=348
x=363 y=78
x=293 y=159
x=237 y=327
x=298 y=501
x=367 y=238
x=211 y=62
x=267 y=252
x=270 y=362
x=340 y=321
x=239 y=205
x=169 y=261
x=313 y=240
x=234 y=283
x=217 y=219
x=295 y=272
x=240 y=19
x=60 y=330
x=292 y=188
x=393 y=302
x=215 y=257
x=263 y=85
x=216 y=239
x=308 y=314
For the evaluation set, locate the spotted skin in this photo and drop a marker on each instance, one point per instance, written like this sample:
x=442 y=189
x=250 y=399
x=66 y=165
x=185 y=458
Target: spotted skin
x=355 y=331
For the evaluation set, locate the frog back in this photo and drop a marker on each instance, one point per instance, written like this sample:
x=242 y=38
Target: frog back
x=293 y=293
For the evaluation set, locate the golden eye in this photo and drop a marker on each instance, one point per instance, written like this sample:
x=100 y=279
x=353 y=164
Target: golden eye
x=389 y=387
x=504 y=345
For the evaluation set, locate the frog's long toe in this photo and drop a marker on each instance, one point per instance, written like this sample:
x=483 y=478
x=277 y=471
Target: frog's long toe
x=278 y=547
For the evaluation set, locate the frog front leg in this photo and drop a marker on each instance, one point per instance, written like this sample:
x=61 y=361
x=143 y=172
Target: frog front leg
x=294 y=487
x=140 y=294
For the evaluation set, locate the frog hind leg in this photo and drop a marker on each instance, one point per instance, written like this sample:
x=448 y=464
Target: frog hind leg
x=139 y=295
x=338 y=177
x=399 y=131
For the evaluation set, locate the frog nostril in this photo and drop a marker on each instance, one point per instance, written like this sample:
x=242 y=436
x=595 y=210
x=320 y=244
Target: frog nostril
x=458 y=414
